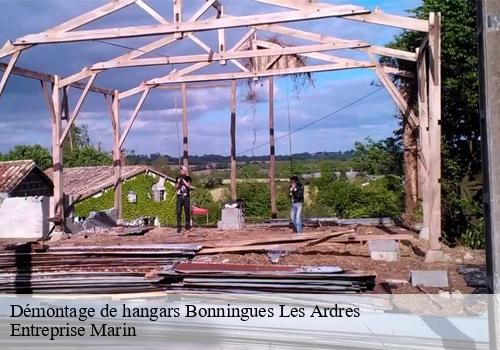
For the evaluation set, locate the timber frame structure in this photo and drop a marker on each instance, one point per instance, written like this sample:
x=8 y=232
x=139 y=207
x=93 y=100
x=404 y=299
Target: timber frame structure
x=427 y=58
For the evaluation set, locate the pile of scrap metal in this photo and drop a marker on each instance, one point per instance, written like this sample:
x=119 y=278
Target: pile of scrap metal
x=234 y=278
x=36 y=268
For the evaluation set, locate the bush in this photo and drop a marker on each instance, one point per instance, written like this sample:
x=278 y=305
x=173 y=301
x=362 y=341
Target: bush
x=345 y=199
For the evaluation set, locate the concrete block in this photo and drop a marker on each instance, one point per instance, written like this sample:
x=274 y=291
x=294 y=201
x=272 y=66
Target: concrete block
x=424 y=233
x=24 y=217
x=383 y=246
x=385 y=256
x=436 y=278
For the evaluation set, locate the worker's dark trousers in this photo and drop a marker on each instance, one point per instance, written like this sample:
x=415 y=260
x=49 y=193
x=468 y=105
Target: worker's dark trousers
x=183 y=202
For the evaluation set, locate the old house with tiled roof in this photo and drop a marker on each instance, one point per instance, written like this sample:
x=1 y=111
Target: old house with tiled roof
x=22 y=178
x=25 y=192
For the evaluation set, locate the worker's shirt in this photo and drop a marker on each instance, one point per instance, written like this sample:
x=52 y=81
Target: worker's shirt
x=182 y=189
x=297 y=193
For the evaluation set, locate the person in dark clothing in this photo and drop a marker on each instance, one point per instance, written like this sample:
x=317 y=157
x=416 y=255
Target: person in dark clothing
x=296 y=193
x=182 y=190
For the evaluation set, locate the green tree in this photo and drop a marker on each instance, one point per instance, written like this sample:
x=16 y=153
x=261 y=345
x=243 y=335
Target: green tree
x=384 y=157
x=78 y=151
x=460 y=103
x=39 y=154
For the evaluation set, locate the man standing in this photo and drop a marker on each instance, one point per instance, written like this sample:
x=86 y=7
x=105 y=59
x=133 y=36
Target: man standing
x=182 y=188
x=297 y=196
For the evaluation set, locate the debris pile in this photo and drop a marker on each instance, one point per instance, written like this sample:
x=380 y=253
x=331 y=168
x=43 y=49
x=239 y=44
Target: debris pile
x=233 y=278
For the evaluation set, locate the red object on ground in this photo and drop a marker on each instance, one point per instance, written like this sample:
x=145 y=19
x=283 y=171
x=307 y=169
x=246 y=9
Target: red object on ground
x=199 y=211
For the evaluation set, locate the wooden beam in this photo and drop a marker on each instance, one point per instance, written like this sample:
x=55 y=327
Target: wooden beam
x=395 y=93
x=234 y=195
x=272 y=152
x=77 y=108
x=117 y=162
x=205 y=25
x=216 y=56
x=57 y=156
x=141 y=50
x=340 y=43
x=435 y=252
x=72 y=24
x=376 y=16
x=50 y=78
x=8 y=71
x=245 y=75
x=133 y=116
x=423 y=164
x=188 y=69
x=185 y=146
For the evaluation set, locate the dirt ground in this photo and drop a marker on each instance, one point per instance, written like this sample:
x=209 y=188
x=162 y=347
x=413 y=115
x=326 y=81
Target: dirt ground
x=392 y=277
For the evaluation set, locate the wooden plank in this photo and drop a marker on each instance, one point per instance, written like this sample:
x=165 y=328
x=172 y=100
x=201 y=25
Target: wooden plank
x=117 y=163
x=77 y=108
x=272 y=156
x=278 y=238
x=27 y=73
x=423 y=165
x=339 y=43
x=188 y=69
x=346 y=239
x=185 y=146
x=233 y=140
x=8 y=71
x=376 y=16
x=133 y=116
x=205 y=25
x=58 y=203
x=219 y=56
x=435 y=130
x=178 y=16
x=245 y=75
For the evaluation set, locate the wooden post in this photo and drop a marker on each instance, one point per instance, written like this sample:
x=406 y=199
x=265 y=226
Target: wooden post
x=435 y=253
x=57 y=157
x=233 y=140
x=117 y=162
x=272 y=160
x=424 y=156
x=185 y=156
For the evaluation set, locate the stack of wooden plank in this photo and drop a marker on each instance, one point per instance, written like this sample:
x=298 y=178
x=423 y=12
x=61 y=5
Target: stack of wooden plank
x=291 y=242
x=266 y=278
x=88 y=269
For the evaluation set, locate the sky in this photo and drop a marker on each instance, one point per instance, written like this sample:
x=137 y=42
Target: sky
x=324 y=113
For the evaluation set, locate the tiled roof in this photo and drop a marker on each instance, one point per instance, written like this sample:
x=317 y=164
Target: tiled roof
x=83 y=182
x=13 y=172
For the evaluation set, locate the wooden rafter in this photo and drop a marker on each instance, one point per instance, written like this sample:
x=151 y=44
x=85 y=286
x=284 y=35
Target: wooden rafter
x=205 y=25
x=376 y=16
x=355 y=44
x=73 y=23
x=257 y=74
x=27 y=73
x=85 y=73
